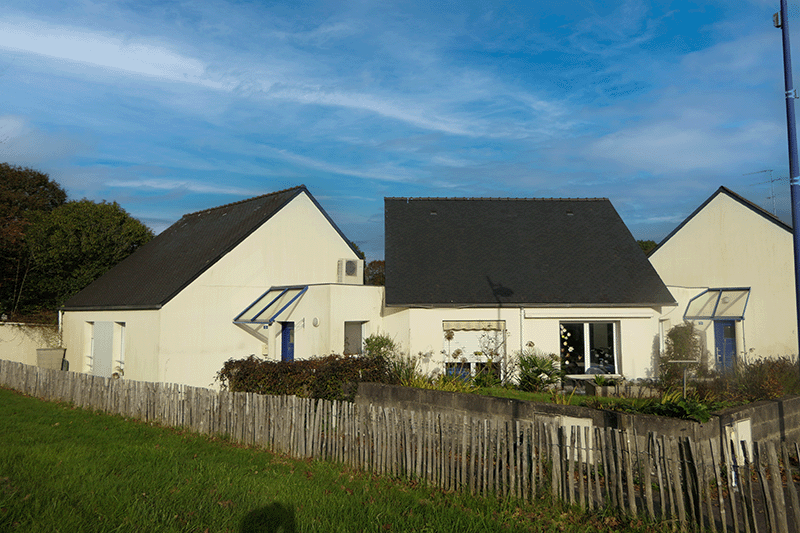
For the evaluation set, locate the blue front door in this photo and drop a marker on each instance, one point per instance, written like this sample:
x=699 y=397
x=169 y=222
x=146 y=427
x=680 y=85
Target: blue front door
x=287 y=341
x=725 y=343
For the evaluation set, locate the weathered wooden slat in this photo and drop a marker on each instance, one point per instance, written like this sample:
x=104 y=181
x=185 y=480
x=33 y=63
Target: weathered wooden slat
x=598 y=461
x=555 y=482
x=726 y=457
x=579 y=441
x=759 y=457
x=777 y=489
x=687 y=475
x=669 y=464
x=647 y=478
x=570 y=457
x=629 y=472
x=748 y=459
x=791 y=486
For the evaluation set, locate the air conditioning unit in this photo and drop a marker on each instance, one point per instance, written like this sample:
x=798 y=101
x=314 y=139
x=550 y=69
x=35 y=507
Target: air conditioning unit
x=350 y=271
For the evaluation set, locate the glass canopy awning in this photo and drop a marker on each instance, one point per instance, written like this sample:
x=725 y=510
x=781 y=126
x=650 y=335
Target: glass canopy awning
x=718 y=304
x=268 y=308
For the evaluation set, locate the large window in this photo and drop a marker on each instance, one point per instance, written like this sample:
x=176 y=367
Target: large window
x=589 y=347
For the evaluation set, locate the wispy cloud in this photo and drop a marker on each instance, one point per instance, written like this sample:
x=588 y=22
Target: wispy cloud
x=185 y=185
x=104 y=51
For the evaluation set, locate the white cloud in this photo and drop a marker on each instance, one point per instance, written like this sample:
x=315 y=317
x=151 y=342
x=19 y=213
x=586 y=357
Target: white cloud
x=184 y=185
x=684 y=145
x=23 y=144
x=101 y=50
x=387 y=172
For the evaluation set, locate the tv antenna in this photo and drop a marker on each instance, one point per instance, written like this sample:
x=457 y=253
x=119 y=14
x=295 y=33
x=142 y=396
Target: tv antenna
x=771 y=182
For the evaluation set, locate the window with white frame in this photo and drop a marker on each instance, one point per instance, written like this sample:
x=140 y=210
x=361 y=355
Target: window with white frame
x=118 y=353
x=474 y=346
x=589 y=347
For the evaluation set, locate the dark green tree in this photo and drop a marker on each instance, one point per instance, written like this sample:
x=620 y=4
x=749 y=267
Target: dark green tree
x=24 y=193
x=374 y=273
x=647 y=246
x=74 y=244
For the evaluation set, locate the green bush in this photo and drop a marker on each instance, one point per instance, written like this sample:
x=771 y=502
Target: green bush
x=380 y=345
x=333 y=377
x=760 y=379
x=538 y=371
x=671 y=404
x=487 y=375
x=682 y=344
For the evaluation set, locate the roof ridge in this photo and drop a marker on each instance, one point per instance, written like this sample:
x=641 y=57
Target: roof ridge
x=751 y=204
x=493 y=198
x=210 y=209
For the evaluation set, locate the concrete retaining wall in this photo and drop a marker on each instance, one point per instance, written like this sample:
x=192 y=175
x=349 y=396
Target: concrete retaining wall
x=766 y=420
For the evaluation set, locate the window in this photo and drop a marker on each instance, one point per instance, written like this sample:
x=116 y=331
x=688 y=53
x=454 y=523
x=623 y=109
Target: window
x=459 y=370
x=118 y=350
x=589 y=347
x=353 y=337
x=473 y=346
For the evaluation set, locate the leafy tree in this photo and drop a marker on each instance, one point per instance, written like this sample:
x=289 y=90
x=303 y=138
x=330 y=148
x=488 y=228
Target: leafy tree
x=24 y=192
x=74 y=244
x=647 y=246
x=374 y=273
x=359 y=253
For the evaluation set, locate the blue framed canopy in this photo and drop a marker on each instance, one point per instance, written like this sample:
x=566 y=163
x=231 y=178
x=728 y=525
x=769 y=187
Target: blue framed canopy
x=267 y=308
x=718 y=304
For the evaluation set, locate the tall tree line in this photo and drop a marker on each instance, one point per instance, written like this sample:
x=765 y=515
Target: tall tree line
x=52 y=247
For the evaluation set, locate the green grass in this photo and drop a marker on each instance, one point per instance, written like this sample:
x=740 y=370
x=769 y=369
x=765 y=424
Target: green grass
x=70 y=470
x=542 y=397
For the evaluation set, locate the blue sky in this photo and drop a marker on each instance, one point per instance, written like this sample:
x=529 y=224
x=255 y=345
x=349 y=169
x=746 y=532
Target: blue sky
x=173 y=107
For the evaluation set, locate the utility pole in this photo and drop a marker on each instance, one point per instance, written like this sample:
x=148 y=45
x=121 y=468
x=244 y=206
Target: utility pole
x=781 y=20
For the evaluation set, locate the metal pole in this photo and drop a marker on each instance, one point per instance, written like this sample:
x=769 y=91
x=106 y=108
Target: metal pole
x=794 y=171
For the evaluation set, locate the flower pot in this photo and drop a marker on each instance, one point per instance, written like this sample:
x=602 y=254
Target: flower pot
x=593 y=389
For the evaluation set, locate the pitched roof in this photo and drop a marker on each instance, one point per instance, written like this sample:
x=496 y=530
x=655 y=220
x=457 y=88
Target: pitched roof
x=741 y=200
x=490 y=251
x=156 y=272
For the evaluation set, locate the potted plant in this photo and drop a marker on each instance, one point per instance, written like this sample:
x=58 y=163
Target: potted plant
x=601 y=386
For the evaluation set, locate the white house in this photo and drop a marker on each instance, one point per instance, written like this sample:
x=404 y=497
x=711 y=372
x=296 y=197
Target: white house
x=468 y=277
x=202 y=292
x=469 y=282
x=730 y=266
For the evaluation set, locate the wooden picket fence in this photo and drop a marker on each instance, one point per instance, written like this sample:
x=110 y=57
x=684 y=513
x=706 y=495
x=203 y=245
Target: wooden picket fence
x=658 y=477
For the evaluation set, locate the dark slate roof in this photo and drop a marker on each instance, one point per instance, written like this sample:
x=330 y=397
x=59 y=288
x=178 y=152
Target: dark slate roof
x=536 y=252
x=746 y=203
x=156 y=272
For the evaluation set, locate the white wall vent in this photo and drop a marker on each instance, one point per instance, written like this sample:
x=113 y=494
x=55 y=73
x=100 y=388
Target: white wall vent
x=350 y=271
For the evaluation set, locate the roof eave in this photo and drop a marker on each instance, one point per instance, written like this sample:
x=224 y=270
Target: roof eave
x=511 y=305
x=148 y=307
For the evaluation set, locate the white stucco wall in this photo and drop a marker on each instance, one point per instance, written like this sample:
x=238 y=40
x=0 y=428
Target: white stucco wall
x=421 y=333
x=141 y=341
x=729 y=245
x=297 y=246
x=19 y=342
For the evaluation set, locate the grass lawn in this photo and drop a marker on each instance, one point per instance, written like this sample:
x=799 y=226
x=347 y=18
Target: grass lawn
x=69 y=470
x=541 y=397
